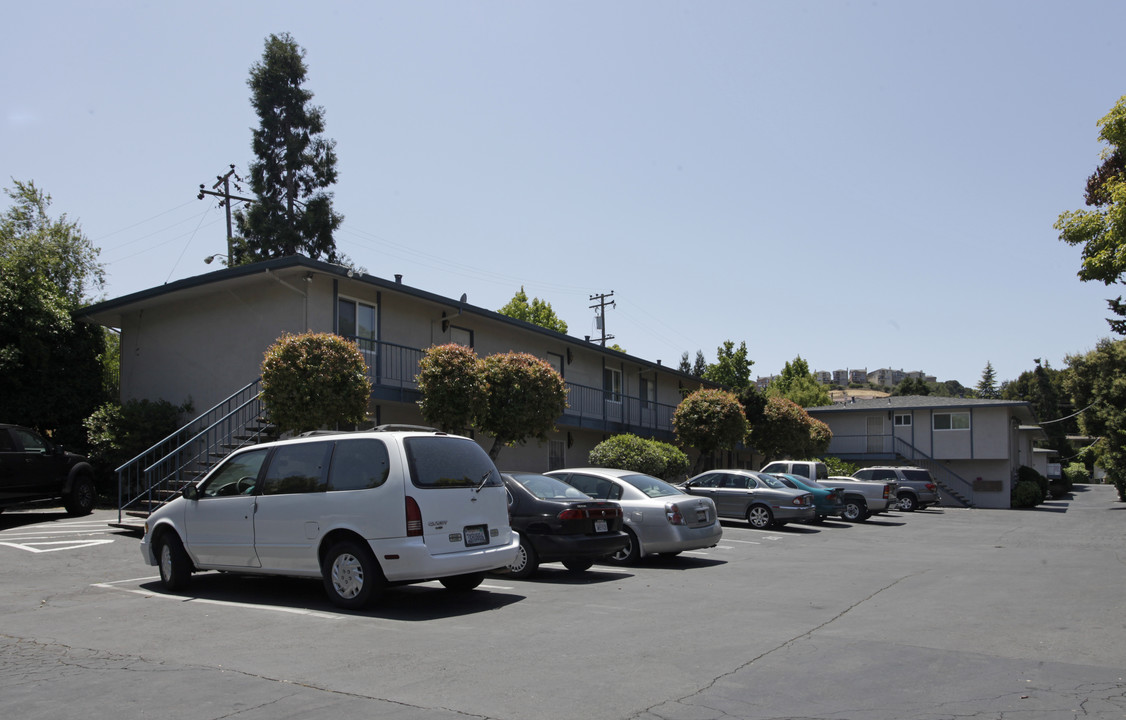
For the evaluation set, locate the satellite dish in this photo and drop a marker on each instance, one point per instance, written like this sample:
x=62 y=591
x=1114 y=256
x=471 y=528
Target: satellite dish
x=463 y=296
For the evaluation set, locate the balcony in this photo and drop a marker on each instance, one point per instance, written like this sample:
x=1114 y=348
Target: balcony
x=393 y=370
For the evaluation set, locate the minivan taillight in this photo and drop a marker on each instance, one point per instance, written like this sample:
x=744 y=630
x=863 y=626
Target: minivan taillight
x=414 y=518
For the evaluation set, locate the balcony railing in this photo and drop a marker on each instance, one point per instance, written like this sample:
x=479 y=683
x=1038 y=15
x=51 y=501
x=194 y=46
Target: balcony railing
x=395 y=367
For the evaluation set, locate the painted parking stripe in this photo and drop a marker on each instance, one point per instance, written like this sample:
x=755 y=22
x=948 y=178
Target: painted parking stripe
x=56 y=545
x=206 y=601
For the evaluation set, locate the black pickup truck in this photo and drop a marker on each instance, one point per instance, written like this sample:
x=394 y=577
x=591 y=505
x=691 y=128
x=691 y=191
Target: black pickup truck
x=33 y=468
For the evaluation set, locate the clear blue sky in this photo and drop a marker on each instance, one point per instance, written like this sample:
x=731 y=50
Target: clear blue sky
x=866 y=184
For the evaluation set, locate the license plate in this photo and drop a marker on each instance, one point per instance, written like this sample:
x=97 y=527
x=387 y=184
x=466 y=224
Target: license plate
x=600 y=526
x=477 y=535
x=701 y=514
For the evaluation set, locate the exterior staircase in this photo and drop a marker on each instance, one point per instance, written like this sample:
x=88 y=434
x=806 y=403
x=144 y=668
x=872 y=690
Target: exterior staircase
x=159 y=474
x=951 y=485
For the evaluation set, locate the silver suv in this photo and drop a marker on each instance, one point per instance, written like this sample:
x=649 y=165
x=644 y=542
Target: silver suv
x=917 y=488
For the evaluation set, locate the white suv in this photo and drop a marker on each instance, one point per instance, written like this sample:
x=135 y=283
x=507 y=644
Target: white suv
x=359 y=510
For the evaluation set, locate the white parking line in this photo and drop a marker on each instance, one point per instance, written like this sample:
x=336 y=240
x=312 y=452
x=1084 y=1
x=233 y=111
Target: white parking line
x=206 y=601
x=39 y=547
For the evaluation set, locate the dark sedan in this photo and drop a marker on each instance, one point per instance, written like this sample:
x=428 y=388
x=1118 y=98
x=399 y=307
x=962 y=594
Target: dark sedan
x=557 y=523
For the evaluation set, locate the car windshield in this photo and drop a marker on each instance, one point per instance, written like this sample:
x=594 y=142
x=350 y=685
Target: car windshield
x=651 y=486
x=548 y=488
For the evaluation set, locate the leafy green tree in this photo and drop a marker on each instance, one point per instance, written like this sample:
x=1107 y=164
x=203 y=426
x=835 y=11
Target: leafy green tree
x=643 y=455
x=732 y=367
x=912 y=386
x=798 y=384
x=451 y=380
x=1096 y=382
x=119 y=433
x=314 y=380
x=525 y=396
x=710 y=420
x=51 y=365
x=537 y=312
x=1042 y=388
x=987 y=386
x=293 y=167
x=787 y=430
x=1101 y=231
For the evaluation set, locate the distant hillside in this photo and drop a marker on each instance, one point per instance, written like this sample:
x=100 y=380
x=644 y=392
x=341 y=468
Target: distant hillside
x=841 y=396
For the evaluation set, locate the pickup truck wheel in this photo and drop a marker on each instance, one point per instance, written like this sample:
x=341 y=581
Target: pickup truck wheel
x=82 y=496
x=760 y=517
x=855 y=511
x=907 y=503
x=352 y=577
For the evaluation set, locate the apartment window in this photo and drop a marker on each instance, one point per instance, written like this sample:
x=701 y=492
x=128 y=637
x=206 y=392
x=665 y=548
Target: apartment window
x=952 y=421
x=612 y=384
x=461 y=336
x=903 y=421
x=358 y=320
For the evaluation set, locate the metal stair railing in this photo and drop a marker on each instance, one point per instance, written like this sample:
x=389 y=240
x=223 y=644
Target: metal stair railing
x=157 y=474
x=943 y=476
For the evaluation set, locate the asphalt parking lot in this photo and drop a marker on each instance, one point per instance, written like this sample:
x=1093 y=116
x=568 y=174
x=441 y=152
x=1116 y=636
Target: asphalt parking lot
x=945 y=613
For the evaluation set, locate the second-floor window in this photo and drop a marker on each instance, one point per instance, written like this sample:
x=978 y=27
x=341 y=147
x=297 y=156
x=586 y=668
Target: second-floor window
x=952 y=421
x=612 y=384
x=358 y=320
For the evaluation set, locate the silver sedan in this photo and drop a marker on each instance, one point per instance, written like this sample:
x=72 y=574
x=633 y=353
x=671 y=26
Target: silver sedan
x=659 y=518
x=762 y=500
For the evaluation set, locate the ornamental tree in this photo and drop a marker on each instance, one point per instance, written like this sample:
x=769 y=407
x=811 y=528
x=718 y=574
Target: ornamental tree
x=314 y=380
x=710 y=420
x=451 y=380
x=537 y=312
x=525 y=396
x=787 y=430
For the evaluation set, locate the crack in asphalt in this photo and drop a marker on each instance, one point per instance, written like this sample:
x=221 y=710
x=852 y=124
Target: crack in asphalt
x=651 y=709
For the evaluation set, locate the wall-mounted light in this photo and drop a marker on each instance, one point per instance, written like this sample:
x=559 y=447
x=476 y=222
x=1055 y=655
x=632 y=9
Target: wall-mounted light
x=570 y=356
x=570 y=440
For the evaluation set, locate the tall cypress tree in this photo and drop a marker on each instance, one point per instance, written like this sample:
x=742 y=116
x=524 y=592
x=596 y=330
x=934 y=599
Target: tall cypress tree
x=294 y=164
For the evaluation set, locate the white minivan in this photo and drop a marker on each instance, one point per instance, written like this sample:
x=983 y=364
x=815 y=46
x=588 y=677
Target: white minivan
x=360 y=510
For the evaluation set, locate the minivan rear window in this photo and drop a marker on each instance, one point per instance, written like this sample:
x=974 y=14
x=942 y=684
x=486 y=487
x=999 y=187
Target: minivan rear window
x=442 y=462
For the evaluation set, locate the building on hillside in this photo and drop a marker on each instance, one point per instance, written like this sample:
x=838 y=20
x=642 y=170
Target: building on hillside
x=973 y=448
x=203 y=338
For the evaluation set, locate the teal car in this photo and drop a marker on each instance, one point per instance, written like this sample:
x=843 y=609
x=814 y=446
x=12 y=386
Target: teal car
x=828 y=501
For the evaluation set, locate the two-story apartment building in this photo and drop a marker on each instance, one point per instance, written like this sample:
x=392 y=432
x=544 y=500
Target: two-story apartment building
x=203 y=338
x=972 y=447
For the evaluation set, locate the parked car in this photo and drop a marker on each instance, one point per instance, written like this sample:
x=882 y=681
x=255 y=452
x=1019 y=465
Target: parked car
x=557 y=522
x=762 y=500
x=828 y=501
x=360 y=511
x=812 y=469
x=916 y=488
x=658 y=518
x=33 y=468
x=865 y=498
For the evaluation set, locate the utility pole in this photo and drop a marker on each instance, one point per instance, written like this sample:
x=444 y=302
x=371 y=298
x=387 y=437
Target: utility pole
x=225 y=181
x=600 y=313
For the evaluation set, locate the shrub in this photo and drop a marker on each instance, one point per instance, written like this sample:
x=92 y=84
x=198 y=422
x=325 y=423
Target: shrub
x=710 y=420
x=1027 y=474
x=314 y=380
x=119 y=433
x=525 y=396
x=840 y=467
x=453 y=388
x=630 y=452
x=1076 y=473
x=1026 y=494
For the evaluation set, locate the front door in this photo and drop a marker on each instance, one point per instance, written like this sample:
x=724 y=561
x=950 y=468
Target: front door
x=219 y=524
x=876 y=437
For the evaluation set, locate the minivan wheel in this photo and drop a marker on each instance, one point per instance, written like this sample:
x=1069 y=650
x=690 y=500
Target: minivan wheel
x=760 y=517
x=907 y=503
x=82 y=496
x=352 y=577
x=175 y=565
x=462 y=583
